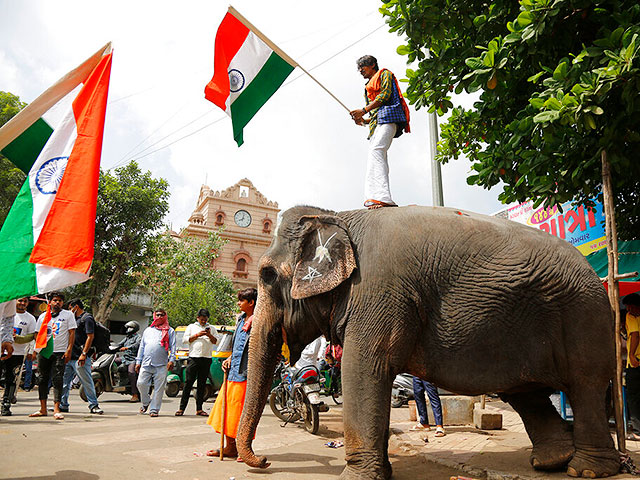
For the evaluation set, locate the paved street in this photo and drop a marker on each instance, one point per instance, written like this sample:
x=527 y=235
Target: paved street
x=125 y=445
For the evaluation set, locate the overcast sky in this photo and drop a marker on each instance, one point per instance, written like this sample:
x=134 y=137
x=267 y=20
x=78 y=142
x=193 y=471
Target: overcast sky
x=301 y=147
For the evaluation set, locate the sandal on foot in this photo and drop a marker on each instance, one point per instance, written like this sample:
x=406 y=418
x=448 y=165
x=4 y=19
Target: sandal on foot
x=143 y=409
x=372 y=204
x=202 y=413
x=38 y=414
x=418 y=427
x=58 y=416
x=179 y=413
x=216 y=453
x=439 y=432
x=153 y=414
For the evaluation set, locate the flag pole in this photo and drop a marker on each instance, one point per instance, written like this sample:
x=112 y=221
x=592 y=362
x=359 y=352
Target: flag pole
x=280 y=52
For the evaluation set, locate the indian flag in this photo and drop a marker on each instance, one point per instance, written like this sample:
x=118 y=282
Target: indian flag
x=46 y=241
x=248 y=69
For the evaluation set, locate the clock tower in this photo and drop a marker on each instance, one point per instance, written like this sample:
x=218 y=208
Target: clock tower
x=249 y=220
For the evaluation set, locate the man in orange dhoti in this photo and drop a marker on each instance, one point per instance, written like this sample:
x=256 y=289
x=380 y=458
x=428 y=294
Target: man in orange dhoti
x=236 y=368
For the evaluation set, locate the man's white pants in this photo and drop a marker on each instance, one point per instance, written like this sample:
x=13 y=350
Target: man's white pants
x=376 y=185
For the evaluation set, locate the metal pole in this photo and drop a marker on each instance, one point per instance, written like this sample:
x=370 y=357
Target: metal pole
x=436 y=173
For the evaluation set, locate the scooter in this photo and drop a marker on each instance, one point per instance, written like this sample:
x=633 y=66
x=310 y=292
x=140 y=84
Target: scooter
x=108 y=376
x=297 y=397
x=402 y=390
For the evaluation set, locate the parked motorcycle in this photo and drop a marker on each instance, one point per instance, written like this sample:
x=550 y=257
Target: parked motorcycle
x=297 y=397
x=402 y=390
x=108 y=376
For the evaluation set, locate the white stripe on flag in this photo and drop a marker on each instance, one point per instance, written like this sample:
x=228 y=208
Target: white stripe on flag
x=249 y=60
x=46 y=172
x=50 y=278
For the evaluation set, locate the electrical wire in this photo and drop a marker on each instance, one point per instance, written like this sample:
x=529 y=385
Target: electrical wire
x=138 y=156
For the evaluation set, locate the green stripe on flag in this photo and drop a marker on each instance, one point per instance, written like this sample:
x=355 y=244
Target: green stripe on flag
x=47 y=351
x=273 y=74
x=16 y=242
x=24 y=150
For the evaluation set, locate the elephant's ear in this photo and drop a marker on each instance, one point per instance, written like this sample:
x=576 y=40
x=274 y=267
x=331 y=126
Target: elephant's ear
x=324 y=258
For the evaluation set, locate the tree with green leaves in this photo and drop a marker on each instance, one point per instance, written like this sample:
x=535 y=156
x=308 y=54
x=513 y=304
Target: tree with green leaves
x=11 y=177
x=130 y=212
x=558 y=84
x=184 y=280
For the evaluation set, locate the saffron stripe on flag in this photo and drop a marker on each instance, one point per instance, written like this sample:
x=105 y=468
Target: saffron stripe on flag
x=256 y=94
x=66 y=248
x=229 y=38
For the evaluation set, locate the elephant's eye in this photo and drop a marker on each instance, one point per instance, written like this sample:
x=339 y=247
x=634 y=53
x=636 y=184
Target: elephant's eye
x=268 y=275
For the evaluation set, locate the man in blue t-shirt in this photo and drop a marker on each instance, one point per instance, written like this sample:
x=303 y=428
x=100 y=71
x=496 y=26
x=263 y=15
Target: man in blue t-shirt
x=80 y=363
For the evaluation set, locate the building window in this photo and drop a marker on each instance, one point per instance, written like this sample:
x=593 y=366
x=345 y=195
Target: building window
x=266 y=226
x=220 y=216
x=242 y=260
x=241 y=266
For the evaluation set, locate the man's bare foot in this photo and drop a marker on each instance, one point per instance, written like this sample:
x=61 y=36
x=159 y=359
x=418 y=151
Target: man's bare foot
x=39 y=413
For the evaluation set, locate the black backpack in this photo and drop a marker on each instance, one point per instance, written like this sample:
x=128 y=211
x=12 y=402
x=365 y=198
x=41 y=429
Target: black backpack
x=101 y=339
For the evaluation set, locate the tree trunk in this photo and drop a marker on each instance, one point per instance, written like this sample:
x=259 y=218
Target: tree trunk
x=107 y=302
x=614 y=294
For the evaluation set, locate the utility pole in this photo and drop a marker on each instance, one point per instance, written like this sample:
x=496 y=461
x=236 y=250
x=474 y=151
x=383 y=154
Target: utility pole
x=436 y=173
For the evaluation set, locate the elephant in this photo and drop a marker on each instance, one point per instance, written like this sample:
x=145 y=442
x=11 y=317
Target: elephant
x=471 y=303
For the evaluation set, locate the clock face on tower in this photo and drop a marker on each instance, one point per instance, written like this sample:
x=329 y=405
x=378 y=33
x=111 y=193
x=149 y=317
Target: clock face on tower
x=242 y=218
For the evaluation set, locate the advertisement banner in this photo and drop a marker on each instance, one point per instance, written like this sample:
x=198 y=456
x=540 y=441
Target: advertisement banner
x=581 y=226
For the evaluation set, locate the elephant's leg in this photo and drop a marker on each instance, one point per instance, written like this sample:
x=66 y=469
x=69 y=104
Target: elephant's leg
x=550 y=435
x=366 y=410
x=595 y=453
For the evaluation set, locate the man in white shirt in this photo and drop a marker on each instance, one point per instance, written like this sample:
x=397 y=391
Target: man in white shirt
x=61 y=333
x=24 y=325
x=311 y=355
x=201 y=338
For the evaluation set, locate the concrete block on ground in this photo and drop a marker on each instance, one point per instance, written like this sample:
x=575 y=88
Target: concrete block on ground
x=456 y=409
x=486 y=419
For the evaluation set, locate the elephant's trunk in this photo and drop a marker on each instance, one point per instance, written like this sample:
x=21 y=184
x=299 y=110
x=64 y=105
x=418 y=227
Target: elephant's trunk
x=265 y=345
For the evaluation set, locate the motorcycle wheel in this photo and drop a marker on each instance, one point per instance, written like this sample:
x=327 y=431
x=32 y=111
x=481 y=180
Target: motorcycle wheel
x=99 y=388
x=311 y=417
x=276 y=401
x=336 y=390
x=396 y=401
x=172 y=389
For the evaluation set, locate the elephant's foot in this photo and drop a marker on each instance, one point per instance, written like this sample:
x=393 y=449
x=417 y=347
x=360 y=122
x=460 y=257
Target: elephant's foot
x=552 y=455
x=364 y=467
x=594 y=463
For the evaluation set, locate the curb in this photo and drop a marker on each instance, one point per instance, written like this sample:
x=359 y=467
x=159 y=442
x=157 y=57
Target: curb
x=401 y=440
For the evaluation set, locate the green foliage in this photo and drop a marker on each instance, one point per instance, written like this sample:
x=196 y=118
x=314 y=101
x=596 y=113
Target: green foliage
x=558 y=83
x=130 y=210
x=11 y=177
x=184 y=280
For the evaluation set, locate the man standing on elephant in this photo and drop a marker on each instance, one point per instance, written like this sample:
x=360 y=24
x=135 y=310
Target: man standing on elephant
x=388 y=118
x=632 y=373
x=236 y=386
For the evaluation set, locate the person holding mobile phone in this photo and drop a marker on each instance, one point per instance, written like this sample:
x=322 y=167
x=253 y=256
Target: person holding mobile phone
x=201 y=338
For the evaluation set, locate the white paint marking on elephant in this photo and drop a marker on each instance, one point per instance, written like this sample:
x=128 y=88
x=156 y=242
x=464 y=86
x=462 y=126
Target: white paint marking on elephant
x=312 y=275
x=322 y=251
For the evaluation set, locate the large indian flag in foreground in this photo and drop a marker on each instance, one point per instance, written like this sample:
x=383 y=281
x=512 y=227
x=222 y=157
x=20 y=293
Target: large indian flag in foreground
x=248 y=69
x=46 y=241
